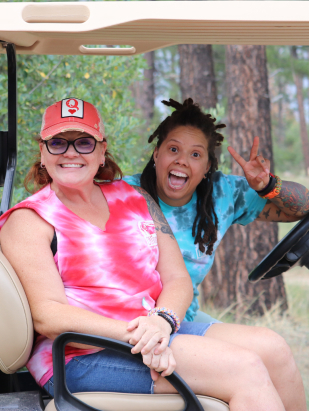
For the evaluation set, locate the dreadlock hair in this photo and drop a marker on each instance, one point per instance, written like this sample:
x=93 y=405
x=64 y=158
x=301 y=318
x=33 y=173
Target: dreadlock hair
x=189 y=114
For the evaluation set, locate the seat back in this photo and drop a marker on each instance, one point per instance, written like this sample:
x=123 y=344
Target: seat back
x=16 y=327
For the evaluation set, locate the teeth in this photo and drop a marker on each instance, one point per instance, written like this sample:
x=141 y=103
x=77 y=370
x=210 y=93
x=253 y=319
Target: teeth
x=178 y=174
x=71 y=165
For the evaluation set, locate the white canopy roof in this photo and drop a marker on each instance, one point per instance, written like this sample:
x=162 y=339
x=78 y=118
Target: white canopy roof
x=67 y=27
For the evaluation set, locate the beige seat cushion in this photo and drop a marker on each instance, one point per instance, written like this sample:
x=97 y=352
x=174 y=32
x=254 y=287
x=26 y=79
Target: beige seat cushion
x=109 y=401
x=16 y=328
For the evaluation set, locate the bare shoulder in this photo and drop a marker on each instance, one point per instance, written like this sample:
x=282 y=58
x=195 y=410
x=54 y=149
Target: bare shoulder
x=158 y=217
x=25 y=226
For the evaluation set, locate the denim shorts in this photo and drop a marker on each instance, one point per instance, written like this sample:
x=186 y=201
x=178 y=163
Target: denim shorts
x=110 y=371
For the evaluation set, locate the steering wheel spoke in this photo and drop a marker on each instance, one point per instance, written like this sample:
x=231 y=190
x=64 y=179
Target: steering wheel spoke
x=292 y=250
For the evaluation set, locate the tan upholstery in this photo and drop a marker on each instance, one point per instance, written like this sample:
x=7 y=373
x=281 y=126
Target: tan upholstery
x=108 y=401
x=71 y=28
x=16 y=328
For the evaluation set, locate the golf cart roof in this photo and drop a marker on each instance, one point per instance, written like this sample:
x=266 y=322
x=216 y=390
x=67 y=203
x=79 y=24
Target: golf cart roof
x=70 y=27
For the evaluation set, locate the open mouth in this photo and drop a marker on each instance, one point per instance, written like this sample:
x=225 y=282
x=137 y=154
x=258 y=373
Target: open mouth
x=177 y=179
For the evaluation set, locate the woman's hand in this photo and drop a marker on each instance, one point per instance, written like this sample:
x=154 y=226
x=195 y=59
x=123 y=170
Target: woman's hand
x=164 y=362
x=256 y=169
x=148 y=333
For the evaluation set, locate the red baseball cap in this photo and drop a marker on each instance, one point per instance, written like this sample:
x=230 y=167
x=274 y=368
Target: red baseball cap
x=72 y=114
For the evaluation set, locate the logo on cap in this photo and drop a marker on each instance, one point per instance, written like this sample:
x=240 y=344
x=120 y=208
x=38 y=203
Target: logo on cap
x=72 y=107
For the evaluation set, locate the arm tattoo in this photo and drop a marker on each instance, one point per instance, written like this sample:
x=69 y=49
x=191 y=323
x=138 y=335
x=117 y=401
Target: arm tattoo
x=154 y=210
x=293 y=199
x=266 y=213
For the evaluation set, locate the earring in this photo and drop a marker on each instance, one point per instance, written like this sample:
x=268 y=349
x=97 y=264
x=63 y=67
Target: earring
x=154 y=165
x=207 y=174
x=103 y=164
x=42 y=165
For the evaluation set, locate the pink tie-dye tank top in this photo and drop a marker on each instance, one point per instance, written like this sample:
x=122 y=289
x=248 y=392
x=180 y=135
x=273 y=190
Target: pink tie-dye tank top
x=110 y=272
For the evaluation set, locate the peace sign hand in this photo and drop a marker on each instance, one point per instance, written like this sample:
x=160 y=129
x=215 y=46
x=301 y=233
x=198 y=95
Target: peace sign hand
x=256 y=169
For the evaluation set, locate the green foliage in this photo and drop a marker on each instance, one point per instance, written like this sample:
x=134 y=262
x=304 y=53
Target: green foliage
x=103 y=81
x=288 y=154
x=288 y=157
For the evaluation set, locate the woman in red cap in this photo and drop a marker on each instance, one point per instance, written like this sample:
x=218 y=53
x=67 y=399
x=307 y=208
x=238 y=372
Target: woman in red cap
x=99 y=258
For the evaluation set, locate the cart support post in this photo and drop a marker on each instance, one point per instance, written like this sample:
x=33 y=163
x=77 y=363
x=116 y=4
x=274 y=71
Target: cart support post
x=9 y=138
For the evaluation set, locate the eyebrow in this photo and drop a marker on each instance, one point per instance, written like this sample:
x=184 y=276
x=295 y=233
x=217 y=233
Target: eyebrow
x=194 y=145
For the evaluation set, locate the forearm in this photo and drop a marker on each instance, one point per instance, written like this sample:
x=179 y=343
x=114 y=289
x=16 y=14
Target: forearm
x=177 y=295
x=293 y=199
x=53 y=318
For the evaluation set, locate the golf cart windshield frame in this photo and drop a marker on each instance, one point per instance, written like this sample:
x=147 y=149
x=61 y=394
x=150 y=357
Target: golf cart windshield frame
x=8 y=139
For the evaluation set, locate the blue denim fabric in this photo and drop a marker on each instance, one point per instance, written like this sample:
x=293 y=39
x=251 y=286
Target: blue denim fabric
x=202 y=317
x=110 y=371
x=191 y=328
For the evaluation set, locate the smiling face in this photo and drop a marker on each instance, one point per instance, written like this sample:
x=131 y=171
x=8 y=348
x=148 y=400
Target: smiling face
x=72 y=169
x=181 y=163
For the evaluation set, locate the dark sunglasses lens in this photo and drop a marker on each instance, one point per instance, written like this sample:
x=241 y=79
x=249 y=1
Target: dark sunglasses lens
x=57 y=145
x=85 y=145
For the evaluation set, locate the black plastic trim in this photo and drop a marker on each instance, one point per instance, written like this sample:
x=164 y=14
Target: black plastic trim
x=12 y=129
x=279 y=260
x=65 y=401
x=3 y=155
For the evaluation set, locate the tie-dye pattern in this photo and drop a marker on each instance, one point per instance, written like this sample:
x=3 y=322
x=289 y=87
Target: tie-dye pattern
x=108 y=272
x=234 y=202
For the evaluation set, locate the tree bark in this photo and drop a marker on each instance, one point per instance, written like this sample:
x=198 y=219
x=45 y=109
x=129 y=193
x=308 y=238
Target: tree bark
x=244 y=247
x=197 y=77
x=148 y=87
x=144 y=91
x=302 y=118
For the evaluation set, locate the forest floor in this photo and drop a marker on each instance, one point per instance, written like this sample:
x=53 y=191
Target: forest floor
x=293 y=324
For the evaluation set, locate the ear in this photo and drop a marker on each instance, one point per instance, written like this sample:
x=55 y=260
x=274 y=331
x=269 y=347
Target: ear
x=41 y=146
x=155 y=154
x=103 y=148
x=208 y=167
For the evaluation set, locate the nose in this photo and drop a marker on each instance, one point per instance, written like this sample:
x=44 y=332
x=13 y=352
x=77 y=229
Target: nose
x=71 y=152
x=182 y=160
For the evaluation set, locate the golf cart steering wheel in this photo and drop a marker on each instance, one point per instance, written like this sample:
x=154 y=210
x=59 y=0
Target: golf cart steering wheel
x=292 y=250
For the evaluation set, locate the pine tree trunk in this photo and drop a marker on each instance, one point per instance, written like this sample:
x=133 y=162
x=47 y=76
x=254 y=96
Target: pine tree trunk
x=197 y=77
x=302 y=118
x=144 y=91
x=244 y=247
x=148 y=87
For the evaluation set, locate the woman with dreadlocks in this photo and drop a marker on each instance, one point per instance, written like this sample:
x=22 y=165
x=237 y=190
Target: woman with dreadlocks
x=200 y=204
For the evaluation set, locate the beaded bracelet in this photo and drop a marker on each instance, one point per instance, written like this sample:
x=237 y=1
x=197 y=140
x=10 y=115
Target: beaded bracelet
x=276 y=189
x=169 y=320
x=170 y=313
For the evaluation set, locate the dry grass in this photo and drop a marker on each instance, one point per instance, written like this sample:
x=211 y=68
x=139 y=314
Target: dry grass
x=293 y=325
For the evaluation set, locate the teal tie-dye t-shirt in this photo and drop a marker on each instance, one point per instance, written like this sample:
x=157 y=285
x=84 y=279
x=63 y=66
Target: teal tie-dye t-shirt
x=234 y=202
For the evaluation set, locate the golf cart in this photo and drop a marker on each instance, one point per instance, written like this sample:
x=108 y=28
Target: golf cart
x=65 y=28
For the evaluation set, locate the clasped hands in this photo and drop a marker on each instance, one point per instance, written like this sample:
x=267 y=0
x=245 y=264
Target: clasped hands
x=150 y=336
x=256 y=169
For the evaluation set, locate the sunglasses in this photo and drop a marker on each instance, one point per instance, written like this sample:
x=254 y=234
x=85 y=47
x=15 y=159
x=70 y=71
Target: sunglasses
x=83 y=145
